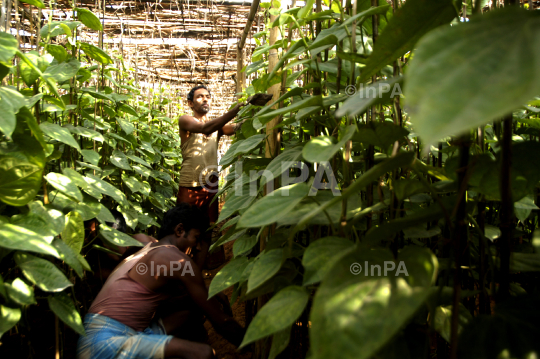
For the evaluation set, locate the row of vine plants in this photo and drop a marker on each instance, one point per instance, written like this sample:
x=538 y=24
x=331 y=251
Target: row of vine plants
x=77 y=142
x=424 y=115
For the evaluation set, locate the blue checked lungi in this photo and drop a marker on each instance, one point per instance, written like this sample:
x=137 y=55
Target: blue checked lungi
x=107 y=338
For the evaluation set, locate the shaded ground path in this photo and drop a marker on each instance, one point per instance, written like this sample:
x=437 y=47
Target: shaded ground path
x=223 y=348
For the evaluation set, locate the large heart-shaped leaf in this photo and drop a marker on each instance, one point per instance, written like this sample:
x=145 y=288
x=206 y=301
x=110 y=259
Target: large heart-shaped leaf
x=228 y=276
x=73 y=233
x=323 y=148
x=63 y=71
x=20 y=292
x=8 y=47
x=42 y=273
x=279 y=313
x=9 y=317
x=88 y=18
x=96 y=53
x=64 y=184
x=11 y=101
x=59 y=133
x=20 y=238
x=264 y=268
x=117 y=238
x=273 y=206
x=64 y=308
x=454 y=81
x=412 y=20
x=363 y=309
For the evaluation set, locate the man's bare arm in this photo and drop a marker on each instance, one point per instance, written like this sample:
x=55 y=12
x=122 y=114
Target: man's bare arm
x=230 y=130
x=225 y=325
x=190 y=124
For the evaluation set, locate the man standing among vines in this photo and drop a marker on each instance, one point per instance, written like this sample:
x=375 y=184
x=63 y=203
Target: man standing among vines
x=200 y=137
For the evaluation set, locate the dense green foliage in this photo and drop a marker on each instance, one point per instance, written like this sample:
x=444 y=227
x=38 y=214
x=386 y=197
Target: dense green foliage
x=410 y=193
x=76 y=143
x=419 y=175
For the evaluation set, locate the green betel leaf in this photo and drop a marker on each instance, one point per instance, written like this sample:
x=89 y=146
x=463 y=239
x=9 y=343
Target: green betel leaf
x=380 y=92
x=22 y=239
x=64 y=308
x=235 y=202
x=105 y=188
x=75 y=176
x=91 y=156
x=264 y=268
x=58 y=52
x=455 y=79
x=321 y=255
x=280 y=341
x=323 y=148
x=88 y=18
x=59 y=133
x=120 y=160
x=361 y=306
x=244 y=245
x=20 y=172
x=442 y=322
x=65 y=185
x=73 y=233
x=281 y=163
x=11 y=101
x=36 y=3
x=69 y=256
x=28 y=74
x=56 y=29
x=20 y=292
x=42 y=273
x=105 y=215
x=228 y=276
x=132 y=183
x=63 y=71
x=128 y=109
x=273 y=206
x=126 y=126
x=9 y=46
x=139 y=160
x=380 y=134
x=9 y=317
x=47 y=223
x=117 y=238
x=278 y=314
x=414 y=19
x=421 y=264
x=96 y=53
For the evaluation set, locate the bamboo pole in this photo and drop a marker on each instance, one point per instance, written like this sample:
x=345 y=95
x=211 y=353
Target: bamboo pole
x=241 y=76
x=272 y=143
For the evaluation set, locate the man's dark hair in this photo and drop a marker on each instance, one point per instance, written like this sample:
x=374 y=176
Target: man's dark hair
x=119 y=221
x=191 y=93
x=190 y=216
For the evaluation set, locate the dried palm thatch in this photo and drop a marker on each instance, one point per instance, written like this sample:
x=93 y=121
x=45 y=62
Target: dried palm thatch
x=171 y=45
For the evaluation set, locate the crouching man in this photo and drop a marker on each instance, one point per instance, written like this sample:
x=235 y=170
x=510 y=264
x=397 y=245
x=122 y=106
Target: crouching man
x=122 y=321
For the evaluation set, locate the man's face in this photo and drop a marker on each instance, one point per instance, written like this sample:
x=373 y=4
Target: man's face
x=191 y=240
x=201 y=101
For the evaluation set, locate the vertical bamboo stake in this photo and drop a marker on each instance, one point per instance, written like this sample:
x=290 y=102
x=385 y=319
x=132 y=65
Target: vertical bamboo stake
x=272 y=143
x=507 y=208
x=459 y=240
x=348 y=145
x=371 y=151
